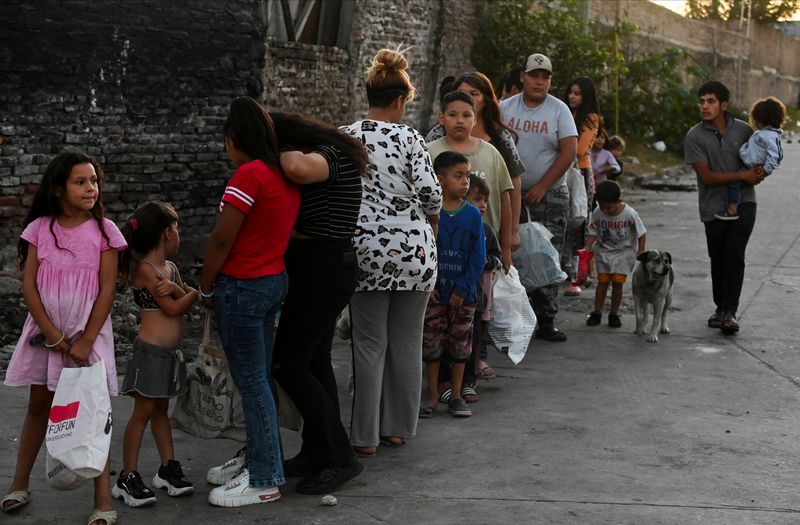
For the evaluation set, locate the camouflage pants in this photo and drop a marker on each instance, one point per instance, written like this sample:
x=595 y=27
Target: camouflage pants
x=553 y=213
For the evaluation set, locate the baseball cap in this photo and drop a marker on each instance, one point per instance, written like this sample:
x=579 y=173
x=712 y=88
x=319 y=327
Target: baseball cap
x=538 y=61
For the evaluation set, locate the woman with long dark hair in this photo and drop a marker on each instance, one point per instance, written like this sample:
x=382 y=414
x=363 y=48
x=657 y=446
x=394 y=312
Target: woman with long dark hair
x=581 y=98
x=321 y=262
x=244 y=280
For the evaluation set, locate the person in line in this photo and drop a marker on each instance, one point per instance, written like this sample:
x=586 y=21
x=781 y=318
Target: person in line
x=763 y=148
x=581 y=98
x=617 y=236
x=547 y=143
x=490 y=128
x=396 y=252
x=244 y=280
x=457 y=119
x=712 y=149
x=156 y=371
x=604 y=164
x=69 y=254
x=511 y=82
x=478 y=196
x=321 y=263
x=616 y=145
x=461 y=251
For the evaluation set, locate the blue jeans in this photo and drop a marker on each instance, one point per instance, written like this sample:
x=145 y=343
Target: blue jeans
x=735 y=192
x=245 y=311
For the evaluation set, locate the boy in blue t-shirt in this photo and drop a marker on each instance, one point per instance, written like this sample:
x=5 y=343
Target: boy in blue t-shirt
x=461 y=251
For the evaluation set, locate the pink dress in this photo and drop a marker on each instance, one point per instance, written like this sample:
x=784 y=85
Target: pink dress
x=68 y=281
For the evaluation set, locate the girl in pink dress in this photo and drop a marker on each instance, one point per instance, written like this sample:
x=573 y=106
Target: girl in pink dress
x=68 y=252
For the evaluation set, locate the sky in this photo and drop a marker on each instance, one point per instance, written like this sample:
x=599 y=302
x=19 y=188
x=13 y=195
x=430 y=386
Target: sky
x=677 y=6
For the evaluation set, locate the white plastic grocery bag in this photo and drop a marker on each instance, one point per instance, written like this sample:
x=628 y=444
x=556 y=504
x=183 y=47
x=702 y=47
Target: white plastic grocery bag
x=536 y=258
x=79 y=426
x=513 y=320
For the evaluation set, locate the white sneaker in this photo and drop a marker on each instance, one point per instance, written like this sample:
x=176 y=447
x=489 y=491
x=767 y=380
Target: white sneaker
x=238 y=493
x=221 y=474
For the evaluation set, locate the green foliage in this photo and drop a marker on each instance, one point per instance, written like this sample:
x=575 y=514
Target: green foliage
x=761 y=10
x=653 y=104
x=510 y=30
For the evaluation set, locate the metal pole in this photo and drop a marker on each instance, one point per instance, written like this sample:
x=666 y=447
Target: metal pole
x=616 y=75
x=749 y=14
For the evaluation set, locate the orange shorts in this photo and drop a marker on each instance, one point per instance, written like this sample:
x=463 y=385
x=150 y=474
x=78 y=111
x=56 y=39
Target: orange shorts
x=612 y=278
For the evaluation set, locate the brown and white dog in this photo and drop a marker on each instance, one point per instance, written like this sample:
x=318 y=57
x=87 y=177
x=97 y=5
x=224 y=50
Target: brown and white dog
x=652 y=284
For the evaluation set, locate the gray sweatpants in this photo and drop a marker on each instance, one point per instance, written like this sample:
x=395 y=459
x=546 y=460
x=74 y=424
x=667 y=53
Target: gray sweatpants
x=387 y=364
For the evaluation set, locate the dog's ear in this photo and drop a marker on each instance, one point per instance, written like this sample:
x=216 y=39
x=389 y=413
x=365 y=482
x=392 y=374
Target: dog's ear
x=668 y=257
x=642 y=256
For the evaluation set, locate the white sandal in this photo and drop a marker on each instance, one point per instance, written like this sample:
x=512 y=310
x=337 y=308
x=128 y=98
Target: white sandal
x=109 y=516
x=18 y=498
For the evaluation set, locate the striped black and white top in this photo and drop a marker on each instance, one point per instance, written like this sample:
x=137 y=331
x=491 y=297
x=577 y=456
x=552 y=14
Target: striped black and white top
x=329 y=209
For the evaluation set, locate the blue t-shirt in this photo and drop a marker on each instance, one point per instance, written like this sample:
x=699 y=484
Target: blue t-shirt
x=461 y=249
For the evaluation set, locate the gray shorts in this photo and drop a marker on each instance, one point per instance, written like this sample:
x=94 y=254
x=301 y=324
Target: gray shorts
x=154 y=371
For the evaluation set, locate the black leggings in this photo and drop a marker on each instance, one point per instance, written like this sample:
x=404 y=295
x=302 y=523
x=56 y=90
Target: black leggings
x=322 y=278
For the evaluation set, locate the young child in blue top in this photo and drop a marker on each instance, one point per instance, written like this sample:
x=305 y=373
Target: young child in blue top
x=763 y=148
x=461 y=251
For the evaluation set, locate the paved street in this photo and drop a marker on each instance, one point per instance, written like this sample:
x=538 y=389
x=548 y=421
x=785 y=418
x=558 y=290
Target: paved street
x=606 y=428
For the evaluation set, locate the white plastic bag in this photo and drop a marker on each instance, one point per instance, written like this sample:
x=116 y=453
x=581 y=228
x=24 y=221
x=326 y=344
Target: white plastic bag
x=59 y=476
x=79 y=426
x=578 y=198
x=513 y=321
x=536 y=259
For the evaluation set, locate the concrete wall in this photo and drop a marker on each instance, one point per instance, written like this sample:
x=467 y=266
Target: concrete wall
x=765 y=63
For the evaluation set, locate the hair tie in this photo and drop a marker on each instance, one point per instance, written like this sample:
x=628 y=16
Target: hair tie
x=134 y=224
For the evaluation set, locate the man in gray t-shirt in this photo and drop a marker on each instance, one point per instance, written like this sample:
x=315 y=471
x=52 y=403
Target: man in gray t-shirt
x=547 y=142
x=712 y=149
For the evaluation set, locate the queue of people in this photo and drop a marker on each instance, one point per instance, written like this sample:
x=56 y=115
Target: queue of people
x=406 y=231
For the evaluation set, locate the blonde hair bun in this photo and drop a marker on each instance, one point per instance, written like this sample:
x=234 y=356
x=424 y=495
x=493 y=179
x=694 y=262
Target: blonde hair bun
x=388 y=72
x=387 y=60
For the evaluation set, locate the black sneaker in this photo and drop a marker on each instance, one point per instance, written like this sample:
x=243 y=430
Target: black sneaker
x=132 y=491
x=329 y=479
x=298 y=467
x=726 y=216
x=170 y=477
x=614 y=321
x=551 y=333
x=594 y=319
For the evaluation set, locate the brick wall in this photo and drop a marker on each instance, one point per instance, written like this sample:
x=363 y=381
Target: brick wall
x=143 y=86
x=329 y=81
